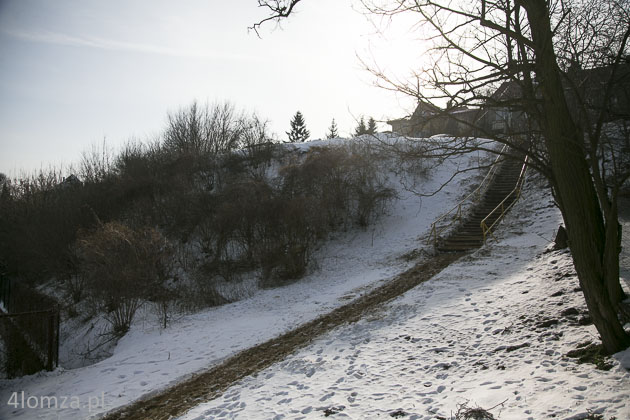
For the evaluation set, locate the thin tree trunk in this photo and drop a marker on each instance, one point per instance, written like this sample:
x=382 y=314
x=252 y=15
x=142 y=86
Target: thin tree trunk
x=611 y=255
x=580 y=207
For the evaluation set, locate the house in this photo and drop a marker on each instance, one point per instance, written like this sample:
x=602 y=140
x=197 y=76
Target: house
x=420 y=124
x=503 y=112
x=428 y=120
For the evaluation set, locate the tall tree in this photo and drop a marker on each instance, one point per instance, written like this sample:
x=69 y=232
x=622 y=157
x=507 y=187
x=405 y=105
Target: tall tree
x=371 y=127
x=484 y=44
x=298 y=133
x=361 y=128
x=333 y=132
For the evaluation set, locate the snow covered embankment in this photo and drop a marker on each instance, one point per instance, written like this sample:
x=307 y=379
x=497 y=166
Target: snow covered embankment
x=149 y=358
x=491 y=330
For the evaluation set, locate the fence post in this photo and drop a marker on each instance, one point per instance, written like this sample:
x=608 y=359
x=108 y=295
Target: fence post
x=58 y=327
x=51 y=337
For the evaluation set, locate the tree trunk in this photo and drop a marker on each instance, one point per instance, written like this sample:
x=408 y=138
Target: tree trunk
x=611 y=255
x=580 y=207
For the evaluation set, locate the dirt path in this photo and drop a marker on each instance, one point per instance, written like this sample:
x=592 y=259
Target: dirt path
x=205 y=386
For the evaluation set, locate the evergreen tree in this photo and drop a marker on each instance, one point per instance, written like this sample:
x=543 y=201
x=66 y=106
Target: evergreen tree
x=332 y=130
x=371 y=128
x=361 y=128
x=298 y=133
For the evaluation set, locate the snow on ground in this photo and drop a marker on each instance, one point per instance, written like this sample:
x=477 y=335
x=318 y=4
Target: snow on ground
x=148 y=358
x=491 y=330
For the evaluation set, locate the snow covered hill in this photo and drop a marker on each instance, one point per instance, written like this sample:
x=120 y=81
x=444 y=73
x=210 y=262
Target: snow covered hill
x=482 y=332
x=491 y=331
x=149 y=358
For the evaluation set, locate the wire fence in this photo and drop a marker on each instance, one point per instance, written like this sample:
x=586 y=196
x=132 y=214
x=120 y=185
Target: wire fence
x=29 y=326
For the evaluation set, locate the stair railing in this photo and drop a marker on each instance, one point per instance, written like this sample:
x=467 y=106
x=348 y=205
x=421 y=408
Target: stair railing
x=501 y=207
x=474 y=196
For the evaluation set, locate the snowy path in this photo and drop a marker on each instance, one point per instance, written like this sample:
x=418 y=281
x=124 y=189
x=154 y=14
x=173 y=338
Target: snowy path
x=491 y=330
x=214 y=382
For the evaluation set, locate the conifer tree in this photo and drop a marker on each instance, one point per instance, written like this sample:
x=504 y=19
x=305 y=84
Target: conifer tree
x=298 y=133
x=361 y=128
x=332 y=130
x=371 y=128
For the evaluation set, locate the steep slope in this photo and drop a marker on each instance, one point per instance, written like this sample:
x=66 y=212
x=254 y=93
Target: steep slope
x=149 y=359
x=492 y=330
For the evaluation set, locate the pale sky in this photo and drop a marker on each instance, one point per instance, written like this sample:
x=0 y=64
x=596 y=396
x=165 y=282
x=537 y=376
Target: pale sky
x=73 y=73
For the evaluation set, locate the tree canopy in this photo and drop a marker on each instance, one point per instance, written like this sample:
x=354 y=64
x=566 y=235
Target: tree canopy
x=298 y=133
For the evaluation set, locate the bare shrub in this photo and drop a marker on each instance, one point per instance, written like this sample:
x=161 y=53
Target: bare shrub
x=321 y=176
x=367 y=187
x=97 y=163
x=472 y=413
x=203 y=293
x=205 y=130
x=122 y=267
x=466 y=412
x=345 y=182
x=75 y=287
x=298 y=223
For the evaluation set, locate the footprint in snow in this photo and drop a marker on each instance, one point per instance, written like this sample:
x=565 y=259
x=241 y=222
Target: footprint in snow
x=327 y=396
x=352 y=397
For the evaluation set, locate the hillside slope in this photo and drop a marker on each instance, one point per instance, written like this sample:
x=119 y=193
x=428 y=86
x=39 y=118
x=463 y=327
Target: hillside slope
x=150 y=358
x=492 y=330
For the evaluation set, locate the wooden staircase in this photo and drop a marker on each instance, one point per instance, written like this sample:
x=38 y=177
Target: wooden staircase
x=501 y=193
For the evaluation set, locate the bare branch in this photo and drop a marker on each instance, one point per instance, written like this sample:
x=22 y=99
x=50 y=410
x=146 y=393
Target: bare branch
x=278 y=9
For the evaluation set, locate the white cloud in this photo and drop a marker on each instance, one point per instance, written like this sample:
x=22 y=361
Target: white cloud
x=56 y=38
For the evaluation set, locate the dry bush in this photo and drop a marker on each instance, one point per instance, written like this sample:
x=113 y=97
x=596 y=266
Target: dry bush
x=346 y=182
x=367 y=187
x=75 y=286
x=473 y=414
x=123 y=267
x=464 y=412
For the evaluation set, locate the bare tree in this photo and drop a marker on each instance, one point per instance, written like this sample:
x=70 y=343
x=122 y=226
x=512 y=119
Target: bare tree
x=541 y=55
x=201 y=130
